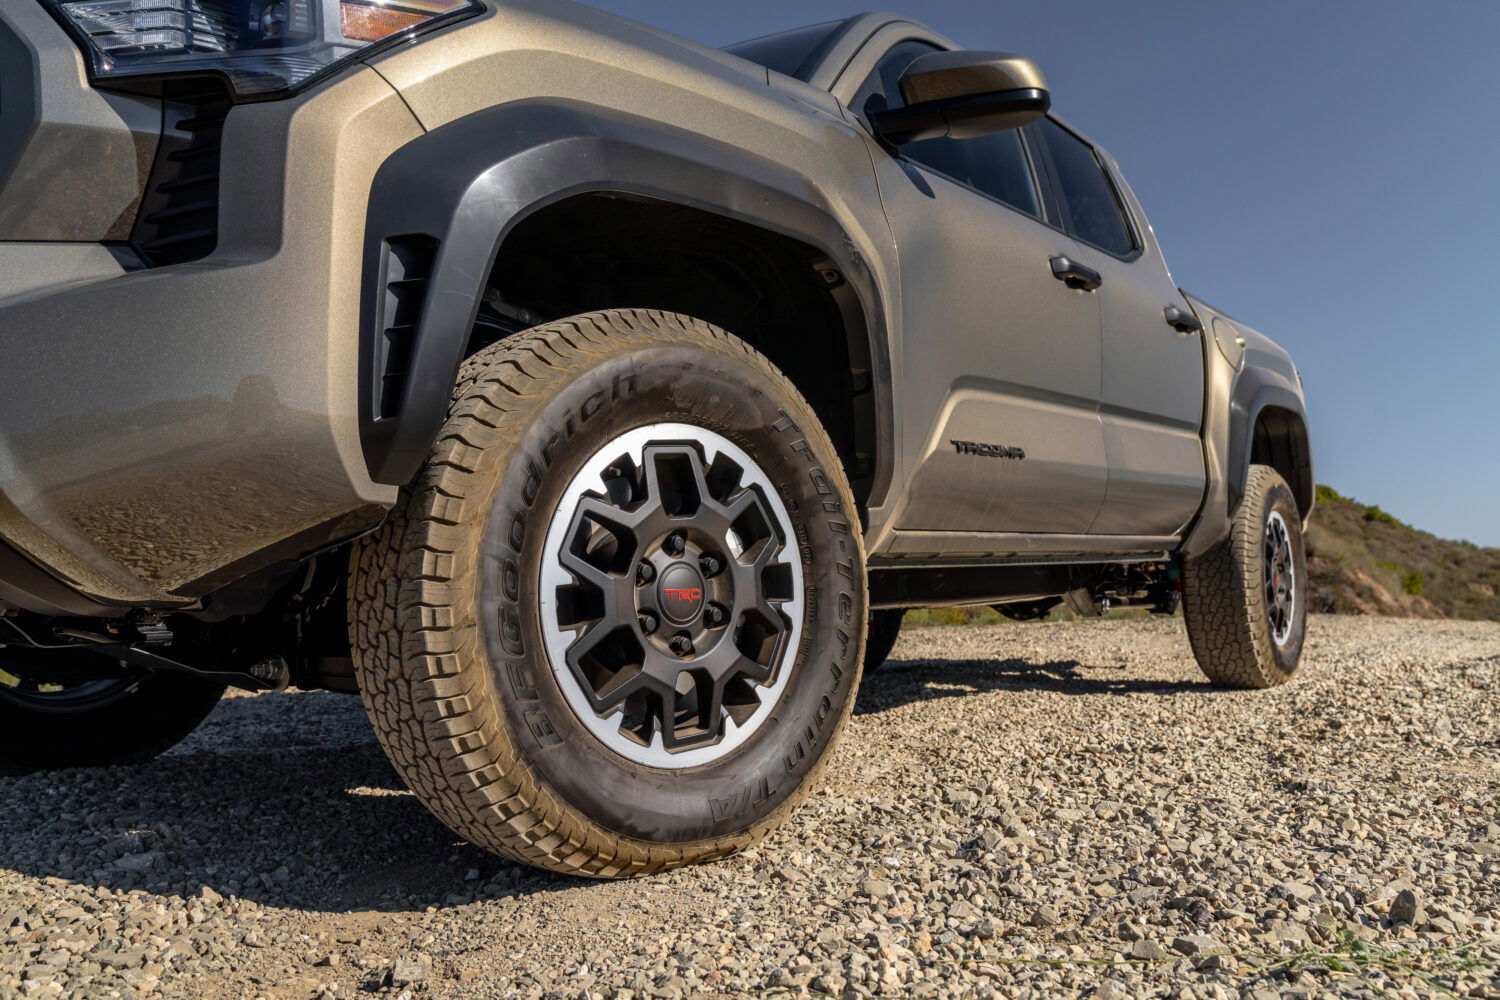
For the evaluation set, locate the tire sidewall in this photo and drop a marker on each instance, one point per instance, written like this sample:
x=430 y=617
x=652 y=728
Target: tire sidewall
x=633 y=386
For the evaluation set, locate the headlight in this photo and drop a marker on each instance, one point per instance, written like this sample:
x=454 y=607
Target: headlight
x=263 y=47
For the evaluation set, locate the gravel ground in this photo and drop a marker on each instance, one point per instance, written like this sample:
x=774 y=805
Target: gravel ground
x=1017 y=810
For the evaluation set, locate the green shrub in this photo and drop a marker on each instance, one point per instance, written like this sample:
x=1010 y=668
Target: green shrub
x=1327 y=494
x=1413 y=583
x=1376 y=514
x=977 y=615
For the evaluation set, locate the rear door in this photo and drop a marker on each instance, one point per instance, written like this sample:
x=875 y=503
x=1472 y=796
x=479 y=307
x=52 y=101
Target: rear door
x=1151 y=393
x=1001 y=359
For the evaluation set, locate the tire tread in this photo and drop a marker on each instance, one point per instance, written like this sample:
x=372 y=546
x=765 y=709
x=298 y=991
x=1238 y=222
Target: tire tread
x=1222 y=604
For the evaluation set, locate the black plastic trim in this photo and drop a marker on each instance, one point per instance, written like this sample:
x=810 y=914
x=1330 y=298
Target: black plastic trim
x=1182 y=320
x=19 y=90
x=26 y=586
x=956 y=586
x=178 y=219
x=481 y=175
x=937 y=119
x=1254 y=390
x=1075 y=275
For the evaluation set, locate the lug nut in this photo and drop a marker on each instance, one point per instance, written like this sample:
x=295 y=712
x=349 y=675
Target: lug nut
x=715 y=615
x=674 y=544
x=710 y=565
x=645 y=573
x=681 y=645
x=648 y=622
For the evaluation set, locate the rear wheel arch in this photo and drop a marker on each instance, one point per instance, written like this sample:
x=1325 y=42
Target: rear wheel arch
x=1279 y=439
x=1268 y=426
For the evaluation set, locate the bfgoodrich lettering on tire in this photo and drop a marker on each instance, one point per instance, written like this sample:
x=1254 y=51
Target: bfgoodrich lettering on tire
x=1245 y=600
x=616 y=624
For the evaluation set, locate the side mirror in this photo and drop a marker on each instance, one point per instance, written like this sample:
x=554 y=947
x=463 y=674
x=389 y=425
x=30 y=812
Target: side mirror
x=963 y=95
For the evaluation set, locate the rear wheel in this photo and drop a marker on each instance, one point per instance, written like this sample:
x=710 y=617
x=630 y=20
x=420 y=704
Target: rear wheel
x=617 y=622
x=61 y=708
x=1245 y=600
x=884 y=630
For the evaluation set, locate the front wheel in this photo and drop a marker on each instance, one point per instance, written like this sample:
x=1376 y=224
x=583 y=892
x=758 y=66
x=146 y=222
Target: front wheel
x=616 y=624
x=1245 y=600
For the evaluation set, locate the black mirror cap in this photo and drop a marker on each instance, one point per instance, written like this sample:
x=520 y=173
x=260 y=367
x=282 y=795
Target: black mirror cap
x=962 y=95
x=962 y=118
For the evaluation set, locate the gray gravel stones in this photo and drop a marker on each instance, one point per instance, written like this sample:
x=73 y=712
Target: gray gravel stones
x=1044 y=810
x=1198 y=944
x=407 y=972
x=1406 y=908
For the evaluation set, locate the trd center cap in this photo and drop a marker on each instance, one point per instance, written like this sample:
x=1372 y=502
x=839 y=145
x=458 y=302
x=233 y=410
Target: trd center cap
x=680 y=594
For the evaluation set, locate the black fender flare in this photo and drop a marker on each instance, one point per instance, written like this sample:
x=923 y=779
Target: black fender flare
x=460 y=189
x=1255 y=390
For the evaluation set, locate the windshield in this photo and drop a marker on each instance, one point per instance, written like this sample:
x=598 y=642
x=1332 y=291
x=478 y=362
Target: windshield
x=795 y=53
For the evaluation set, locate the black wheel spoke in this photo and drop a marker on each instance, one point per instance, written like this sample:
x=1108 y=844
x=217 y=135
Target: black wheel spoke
x=675 y=592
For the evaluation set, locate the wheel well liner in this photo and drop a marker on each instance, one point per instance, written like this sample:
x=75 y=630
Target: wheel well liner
x=441 y=208
x=1268 y=426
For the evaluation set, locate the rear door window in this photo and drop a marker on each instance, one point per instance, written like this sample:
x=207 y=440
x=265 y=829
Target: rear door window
x=1090 y=199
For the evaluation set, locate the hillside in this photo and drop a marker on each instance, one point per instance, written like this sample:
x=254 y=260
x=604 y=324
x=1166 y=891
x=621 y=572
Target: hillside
x=1364 y=561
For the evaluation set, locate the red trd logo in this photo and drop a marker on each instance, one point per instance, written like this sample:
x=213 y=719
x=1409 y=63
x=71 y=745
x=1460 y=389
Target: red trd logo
x=684 y=595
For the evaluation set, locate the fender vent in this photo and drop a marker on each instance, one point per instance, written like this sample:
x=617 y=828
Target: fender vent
x=179 y=216
x=407 y=266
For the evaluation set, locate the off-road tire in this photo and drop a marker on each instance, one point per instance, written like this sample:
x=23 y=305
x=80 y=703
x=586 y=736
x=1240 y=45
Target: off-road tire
x=885 y=629
x=1224 y=593
x=445 y=619
x=130 y=722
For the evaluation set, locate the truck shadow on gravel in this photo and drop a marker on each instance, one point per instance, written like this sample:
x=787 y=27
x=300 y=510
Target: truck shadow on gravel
x=904 y=682
x=286 y=800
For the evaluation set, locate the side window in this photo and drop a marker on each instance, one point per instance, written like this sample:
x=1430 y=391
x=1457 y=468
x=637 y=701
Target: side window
x=1086 y=190
x=995 y=165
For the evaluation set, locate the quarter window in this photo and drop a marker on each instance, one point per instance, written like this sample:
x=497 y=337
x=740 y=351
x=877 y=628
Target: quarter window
x=995 y=165
x=1090 y=198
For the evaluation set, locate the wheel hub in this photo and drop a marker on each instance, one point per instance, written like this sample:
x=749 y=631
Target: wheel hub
x=680 y=595
x=671 y=597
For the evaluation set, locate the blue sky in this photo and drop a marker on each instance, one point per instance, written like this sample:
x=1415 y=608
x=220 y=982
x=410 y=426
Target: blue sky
x=1327 y=172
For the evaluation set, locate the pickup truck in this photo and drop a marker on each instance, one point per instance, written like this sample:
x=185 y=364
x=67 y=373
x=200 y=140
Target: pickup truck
x=585 y=398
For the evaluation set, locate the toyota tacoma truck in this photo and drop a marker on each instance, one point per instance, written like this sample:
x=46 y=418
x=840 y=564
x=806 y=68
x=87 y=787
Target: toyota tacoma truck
x=583 y=397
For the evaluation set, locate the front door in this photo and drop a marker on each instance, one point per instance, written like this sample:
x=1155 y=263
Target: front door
x=1001 y=359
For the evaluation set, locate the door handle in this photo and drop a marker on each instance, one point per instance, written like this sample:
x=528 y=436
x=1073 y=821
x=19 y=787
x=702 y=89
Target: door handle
x=1074 y=274
x=1181 y=321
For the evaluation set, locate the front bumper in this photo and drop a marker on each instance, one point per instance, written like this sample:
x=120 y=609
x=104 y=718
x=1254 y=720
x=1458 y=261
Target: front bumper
x=166 y=431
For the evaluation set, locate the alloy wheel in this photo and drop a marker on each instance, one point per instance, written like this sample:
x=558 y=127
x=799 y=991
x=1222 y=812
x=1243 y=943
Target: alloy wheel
x=671 y=595
x=1280 y=578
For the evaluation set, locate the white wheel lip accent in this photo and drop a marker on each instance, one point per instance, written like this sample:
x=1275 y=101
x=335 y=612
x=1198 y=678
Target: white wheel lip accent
x=1274 y=521
x=553 y=575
